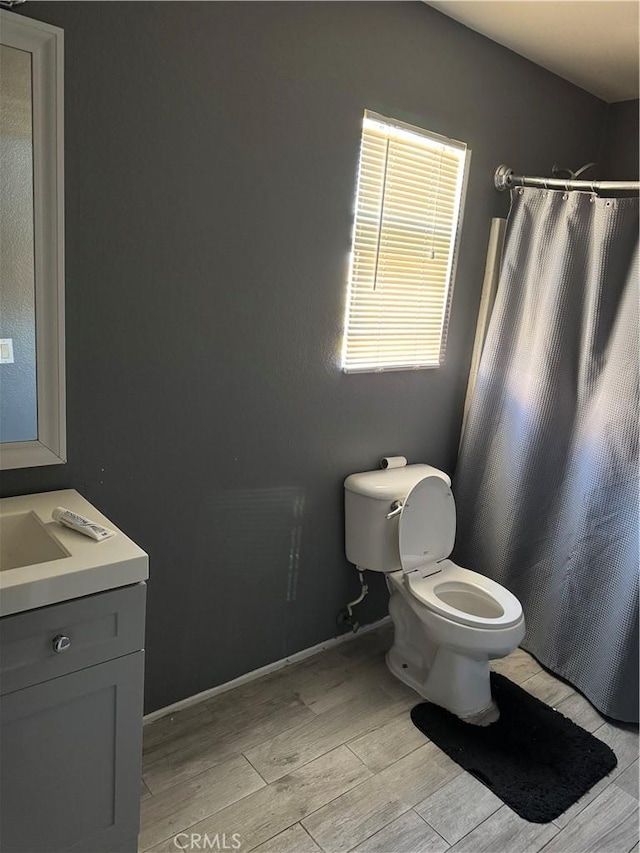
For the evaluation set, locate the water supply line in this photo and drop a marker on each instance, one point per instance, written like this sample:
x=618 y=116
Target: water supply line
x=346 y=617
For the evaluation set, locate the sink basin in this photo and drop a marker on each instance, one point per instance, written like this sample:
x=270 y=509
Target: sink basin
x=24 y=540
x=42 y=563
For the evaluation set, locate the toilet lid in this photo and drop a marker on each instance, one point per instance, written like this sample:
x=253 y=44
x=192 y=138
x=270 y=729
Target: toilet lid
x=427 y=527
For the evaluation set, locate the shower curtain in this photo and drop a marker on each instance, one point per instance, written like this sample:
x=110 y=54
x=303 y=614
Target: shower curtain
x=547 y=483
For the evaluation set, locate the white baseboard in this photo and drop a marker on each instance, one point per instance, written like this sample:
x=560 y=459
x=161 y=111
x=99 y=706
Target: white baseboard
x=264 y=670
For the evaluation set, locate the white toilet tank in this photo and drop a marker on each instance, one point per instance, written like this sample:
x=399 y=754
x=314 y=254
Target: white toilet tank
x=371 y=538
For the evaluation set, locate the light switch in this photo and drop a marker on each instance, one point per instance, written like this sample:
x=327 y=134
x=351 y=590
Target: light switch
x=6 y=350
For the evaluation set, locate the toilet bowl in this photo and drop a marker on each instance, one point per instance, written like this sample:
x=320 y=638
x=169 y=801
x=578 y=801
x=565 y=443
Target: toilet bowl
x=449 y=622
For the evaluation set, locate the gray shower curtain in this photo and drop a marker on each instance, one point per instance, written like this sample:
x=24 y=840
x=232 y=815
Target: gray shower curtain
x=547 y=483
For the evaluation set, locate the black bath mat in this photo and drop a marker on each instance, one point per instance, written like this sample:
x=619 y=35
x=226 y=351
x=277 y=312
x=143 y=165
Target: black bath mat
x=537 y=761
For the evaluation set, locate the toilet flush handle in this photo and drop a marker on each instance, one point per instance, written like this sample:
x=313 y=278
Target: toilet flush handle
x=396 y=509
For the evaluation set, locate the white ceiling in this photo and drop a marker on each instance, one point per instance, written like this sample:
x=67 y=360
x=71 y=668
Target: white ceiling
x=592 y=43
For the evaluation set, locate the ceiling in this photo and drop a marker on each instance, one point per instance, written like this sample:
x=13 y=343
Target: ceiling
x=592 y=43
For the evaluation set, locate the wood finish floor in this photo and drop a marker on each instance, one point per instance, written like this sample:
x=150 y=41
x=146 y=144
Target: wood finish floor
x=322 y=756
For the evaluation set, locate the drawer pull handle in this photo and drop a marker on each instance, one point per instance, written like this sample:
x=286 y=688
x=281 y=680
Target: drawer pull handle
x=61 y=643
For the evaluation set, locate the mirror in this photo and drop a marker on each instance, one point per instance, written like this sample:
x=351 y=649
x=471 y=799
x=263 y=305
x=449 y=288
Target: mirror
x=19 y=409
x=32 y=404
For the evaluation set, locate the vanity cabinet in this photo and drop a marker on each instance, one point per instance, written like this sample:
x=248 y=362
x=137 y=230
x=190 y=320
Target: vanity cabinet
x=71 y=680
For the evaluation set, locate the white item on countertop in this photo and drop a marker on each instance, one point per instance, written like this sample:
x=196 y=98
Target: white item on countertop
x=83 y=525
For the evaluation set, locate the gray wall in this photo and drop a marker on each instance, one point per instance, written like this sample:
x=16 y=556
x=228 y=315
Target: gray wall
x=211 y=155
x=619 y=152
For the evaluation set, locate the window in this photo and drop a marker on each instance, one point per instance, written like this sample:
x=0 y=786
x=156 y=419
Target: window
x=407 y=219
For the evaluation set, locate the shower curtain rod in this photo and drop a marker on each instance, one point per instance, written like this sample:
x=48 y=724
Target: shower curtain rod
x=504 y=179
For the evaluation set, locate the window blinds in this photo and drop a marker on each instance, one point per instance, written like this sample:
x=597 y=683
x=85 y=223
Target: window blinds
x=404 y=239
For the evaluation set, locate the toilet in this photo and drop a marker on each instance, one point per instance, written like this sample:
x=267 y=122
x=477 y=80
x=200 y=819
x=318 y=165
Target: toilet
x=449 y=621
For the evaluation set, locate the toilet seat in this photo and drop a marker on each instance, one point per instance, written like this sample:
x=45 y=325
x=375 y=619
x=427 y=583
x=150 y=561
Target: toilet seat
x=486 y=603
x=427 y=530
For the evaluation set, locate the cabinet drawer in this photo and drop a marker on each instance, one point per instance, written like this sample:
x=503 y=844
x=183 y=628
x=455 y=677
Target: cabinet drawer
x=99 y=628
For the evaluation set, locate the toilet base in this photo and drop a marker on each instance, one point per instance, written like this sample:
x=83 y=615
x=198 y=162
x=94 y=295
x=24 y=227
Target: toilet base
x=439 y=673
x=454 y=682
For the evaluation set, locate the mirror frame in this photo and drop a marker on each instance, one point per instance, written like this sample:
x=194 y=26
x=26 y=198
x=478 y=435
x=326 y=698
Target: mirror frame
x=45 y=43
